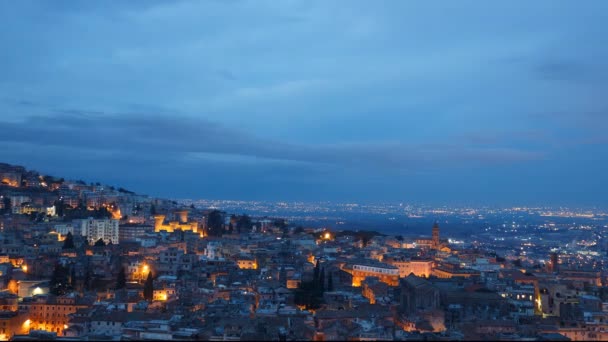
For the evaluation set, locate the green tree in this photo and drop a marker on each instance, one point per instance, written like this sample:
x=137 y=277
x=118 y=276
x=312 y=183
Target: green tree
x=59 y=207
x=87 y=280
x=330 y=282
x=68 y=243
x=244 y=224
x=149 y=288
x=59 y=284
x=281 y=224
x=121 y=281
x=316 y=272
x=7 y=204
x=322 y=280
x=215 y=223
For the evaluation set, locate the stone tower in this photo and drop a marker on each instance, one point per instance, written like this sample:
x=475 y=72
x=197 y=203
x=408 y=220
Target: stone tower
x=436 y=235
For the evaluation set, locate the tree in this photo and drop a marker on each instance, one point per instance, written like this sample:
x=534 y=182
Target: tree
x=322 y=280
x=7 y=204
x=330 y=282
x=244 y=224
x=281 y=224
x=100 y=243
x=308 y=295
x=316 y=272
x=87 y=280
x=59 y=207
x=215 y=222
x=149 y=288
x=121 y=281
x=152 y=210
x=59 y=284
x=68 y=243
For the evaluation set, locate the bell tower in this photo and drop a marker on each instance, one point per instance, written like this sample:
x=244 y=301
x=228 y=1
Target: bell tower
x=436 y=235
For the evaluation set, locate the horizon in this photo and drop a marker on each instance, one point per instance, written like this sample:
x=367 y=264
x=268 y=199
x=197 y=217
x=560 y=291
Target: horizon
x=466 y=104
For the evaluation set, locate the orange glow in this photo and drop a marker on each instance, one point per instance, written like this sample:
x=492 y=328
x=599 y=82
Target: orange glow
x=24 y=268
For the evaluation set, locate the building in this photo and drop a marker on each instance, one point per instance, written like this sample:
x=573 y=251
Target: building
x=51 y=313
x=132 y=232
x=363 y=268
x=180 y=222
x=417 y=294
x=419 y=267
x=450 y=270
x=105 y=229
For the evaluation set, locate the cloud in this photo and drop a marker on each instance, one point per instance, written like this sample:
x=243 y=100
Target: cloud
x=190 y=138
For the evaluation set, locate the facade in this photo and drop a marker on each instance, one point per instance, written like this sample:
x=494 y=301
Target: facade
x=180 y=223
x=132 y=232
x=406 y=266
x=51 y=313
x=105 y=229
x=362 y=269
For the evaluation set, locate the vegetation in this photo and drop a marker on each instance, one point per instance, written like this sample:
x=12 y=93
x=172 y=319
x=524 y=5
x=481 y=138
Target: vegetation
x=310 y=294
x=68 y=243
x=149 y=288
x=60 y=283
x=121 y=281
x=215 y=223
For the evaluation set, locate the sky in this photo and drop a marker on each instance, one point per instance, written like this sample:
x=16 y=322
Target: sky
x=468 y=102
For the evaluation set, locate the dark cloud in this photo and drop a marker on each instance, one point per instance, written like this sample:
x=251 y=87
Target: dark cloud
x=187 y=136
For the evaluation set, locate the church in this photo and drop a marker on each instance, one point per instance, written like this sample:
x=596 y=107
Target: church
x=434 y=242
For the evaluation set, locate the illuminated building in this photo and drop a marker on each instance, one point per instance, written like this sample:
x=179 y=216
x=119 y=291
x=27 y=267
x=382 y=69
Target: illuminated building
x=247 y=262
x=553 y=265
x=435 y=235
x=449 y=270
x=420 y=268
x=52 y=313
x=362 y=269
x=13 y=323
x=180 y=223
x=105 y=229
x=432 y=243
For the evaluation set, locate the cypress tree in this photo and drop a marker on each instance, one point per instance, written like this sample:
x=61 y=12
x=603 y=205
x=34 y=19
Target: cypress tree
x=316 y=272
x=149 y=288
x=121 y=281
x=68 y=243
x=330 y=282
x=322 y=280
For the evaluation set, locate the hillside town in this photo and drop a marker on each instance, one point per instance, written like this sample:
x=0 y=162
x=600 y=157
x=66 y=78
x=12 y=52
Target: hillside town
x=86 y=261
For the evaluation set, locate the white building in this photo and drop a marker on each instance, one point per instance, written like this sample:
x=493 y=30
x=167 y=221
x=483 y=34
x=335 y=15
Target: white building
x=93 y=229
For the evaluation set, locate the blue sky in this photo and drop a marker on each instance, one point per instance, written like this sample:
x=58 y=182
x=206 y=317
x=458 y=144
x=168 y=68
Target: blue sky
x=466 y=102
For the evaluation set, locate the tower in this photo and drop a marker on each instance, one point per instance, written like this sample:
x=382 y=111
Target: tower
x=158 y=222
x=182 y=216
x=553 y=263
x=435 y=235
